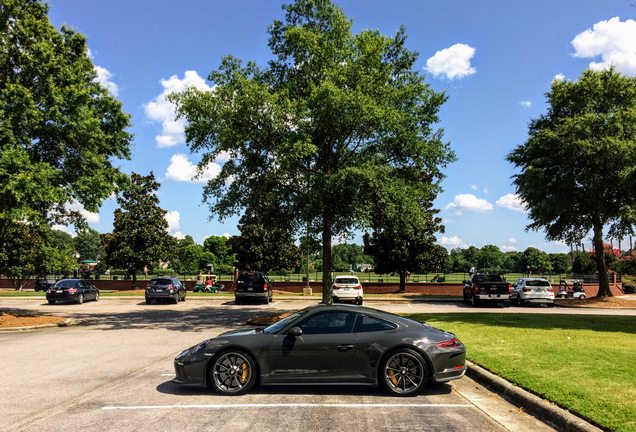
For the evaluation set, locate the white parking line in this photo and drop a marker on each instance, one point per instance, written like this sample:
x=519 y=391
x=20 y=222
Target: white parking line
x=169 y=374
x=291 y=405
x=409 y=305
x=275 y=303
x=10 y=301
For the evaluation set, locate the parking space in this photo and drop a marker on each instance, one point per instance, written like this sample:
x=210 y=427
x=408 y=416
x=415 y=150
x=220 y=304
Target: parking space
x=114 y=372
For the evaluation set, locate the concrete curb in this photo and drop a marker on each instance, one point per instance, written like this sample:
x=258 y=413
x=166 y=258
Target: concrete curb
x=282 y=298
x=595 y=307
x=542 y=409
x=67 y=323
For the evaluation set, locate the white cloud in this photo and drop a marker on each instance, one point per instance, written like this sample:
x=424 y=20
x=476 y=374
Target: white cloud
x=451 y=63
x=474 y=187
x=163 y=111
x=182 y=170
x=453 y=242
x=104 y=78
x=63 y=228
x=468 y=202
x=226 y=235
x=508 y=248
x=613 y=40
x=511 y=202
x=174 y=224
x=525 y=104
x=559 y=77
x=448 y=220
x=485 y=190
x=512 y=240
x=90 y=217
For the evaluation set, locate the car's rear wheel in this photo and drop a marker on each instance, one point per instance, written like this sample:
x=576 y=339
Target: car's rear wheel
x=51 y=301
x=582 y=297
x=237 y=300
x=404 y=372
x=551 y=304
x=96 y=296
x=474 y=301
x=359 y=302
x=233 y=373
x=176 y=299
x=80 y=298
x=520 y=301
x=148 y=301
x=506 y=303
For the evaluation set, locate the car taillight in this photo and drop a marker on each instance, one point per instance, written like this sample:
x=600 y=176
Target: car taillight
x=551 y=289
x=264 y=287
x=359 y=287
x=526 y=289
x=336 y=287
x=476 y=288
x=71 y=291
x=509 y=288
x=450 y=344
x=50 y=290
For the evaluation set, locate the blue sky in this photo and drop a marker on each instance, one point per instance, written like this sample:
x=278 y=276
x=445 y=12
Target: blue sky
x=495 y=60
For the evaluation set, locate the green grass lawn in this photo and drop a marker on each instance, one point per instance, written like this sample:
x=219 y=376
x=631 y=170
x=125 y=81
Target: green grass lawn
x=586 y=364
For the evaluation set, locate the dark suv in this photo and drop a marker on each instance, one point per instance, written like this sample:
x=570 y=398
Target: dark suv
x=165 y=288
x=253 y=285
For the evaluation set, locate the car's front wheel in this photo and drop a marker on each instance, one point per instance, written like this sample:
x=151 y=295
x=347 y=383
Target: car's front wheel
x=233 y=373
x=404 y=372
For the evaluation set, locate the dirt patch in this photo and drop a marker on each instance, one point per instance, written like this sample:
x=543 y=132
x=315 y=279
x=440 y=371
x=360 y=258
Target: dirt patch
x=10 y=319
x=598 y=302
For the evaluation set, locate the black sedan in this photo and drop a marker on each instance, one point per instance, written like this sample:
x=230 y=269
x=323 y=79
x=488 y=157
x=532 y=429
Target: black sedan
x=326 y=344
x=72 y=290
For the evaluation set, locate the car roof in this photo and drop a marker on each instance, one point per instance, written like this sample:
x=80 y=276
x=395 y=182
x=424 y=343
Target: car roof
x=531 y=279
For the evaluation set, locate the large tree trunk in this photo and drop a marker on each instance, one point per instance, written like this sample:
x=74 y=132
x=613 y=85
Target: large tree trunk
x=19 y=282
x=134 y=279
x=327 y=295
x=403 y=281
x=603 y=283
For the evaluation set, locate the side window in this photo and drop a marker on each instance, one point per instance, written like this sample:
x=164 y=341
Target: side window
x=328 y=323
x=369 y=324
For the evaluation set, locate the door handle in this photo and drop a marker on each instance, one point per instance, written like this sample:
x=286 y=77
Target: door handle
x=344 y=347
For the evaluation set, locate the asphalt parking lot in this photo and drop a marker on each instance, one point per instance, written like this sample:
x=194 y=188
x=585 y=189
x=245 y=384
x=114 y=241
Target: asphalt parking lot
x=114 y=372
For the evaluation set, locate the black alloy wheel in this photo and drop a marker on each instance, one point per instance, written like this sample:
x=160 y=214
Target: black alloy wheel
x=404 y=372
x=233 y=373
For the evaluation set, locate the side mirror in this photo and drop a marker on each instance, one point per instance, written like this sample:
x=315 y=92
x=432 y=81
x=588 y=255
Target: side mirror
x=295 y=332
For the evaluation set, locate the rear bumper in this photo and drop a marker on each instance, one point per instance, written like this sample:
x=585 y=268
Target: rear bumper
x=492 y=297
x=251 y=294
x=161 y=295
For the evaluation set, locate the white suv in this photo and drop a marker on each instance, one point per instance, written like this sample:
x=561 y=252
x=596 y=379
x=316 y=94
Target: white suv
x=347 y=288
x=532 y=290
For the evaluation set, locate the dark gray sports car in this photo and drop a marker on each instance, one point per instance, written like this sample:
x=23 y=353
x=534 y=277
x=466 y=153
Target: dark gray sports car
x=326 y=344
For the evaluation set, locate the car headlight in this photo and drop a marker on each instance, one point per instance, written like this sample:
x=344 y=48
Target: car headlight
x=200 y=346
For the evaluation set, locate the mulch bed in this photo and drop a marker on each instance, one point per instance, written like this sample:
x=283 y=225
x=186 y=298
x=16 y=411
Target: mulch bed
x=11 y=319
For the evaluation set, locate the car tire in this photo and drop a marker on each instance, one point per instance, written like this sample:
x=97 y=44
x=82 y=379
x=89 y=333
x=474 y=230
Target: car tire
x=52 y=301
x=403 y=372
x=271 y=298
x=520 y=301
x=582 y=297
x=96 y=296
x=506 y=303
x=176 y=300
x=466 y=299
x=359 y=302
x=551 y=304
x=237 y=301
x=474 y=301
x=232 y=373
x=80 y=298
x=148 y=301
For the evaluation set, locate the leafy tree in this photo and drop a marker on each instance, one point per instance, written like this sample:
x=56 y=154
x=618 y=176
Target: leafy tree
x=140 y=231
x=404 y=246
x=560 y=262
x=491 y=258
x=578 y=164
x=61 y=132
x=190 y=258
x=513 y=262
x=19 y=251
x=224 y=258
x=583 y=264
x=261 y=248
x=537 y=260
x=335 y=120
x=186 y=241
x=88 y=244
x=60 y=239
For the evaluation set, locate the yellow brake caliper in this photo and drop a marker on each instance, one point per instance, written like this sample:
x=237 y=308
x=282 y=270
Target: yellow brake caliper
x=245 y=373
x=392 y=377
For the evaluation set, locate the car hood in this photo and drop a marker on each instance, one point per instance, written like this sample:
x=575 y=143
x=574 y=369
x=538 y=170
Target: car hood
x=241 y=332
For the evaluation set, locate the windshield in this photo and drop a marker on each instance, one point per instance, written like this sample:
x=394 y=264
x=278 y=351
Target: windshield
x=346 y=281
x=278 y=326
x=66 y=284
x=487 y=278
x=160 y=282
x=538 y=283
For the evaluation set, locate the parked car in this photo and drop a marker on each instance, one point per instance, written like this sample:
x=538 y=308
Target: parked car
x=253 y=285
x=326 y=344
x=347 y=288
x=163 y=288
x=43 y=284
x=487 y=288
x=533 y=290
x=72 y=290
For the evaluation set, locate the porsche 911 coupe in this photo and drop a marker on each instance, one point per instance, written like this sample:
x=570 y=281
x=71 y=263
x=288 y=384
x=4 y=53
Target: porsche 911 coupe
x=326 y=344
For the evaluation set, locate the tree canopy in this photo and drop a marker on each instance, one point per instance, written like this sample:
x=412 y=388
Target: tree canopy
x=578 y=166
x=140 y=230
x=61 y=132
x=335 y=121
